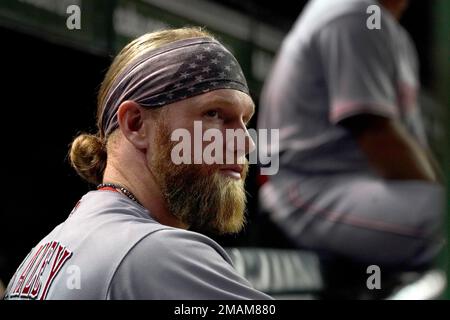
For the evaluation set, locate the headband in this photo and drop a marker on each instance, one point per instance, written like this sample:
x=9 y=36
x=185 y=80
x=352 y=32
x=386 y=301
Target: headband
x=174 y=72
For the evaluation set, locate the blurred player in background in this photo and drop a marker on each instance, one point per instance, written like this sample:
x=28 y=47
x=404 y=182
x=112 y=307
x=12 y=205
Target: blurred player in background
x=357 y=180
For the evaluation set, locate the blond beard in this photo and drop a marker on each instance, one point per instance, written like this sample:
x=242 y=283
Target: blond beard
x=199 y=195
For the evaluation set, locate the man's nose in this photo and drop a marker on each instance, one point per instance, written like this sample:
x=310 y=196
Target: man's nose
x=239 y=141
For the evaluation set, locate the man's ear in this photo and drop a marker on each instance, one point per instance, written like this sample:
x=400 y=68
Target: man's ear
x=131 y=116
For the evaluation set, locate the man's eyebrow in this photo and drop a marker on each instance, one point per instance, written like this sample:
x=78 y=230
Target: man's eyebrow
x=223 y=101
x=220 y=100
x=215 y=101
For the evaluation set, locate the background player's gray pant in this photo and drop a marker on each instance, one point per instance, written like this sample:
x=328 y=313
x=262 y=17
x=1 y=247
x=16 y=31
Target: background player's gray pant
x=365 y=218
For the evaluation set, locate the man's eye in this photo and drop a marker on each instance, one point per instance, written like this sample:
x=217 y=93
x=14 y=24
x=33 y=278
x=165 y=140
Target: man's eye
x=212 y=114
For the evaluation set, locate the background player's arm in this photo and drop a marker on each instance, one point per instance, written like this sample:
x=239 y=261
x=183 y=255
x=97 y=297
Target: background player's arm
x=390 y=149
x=361 y=75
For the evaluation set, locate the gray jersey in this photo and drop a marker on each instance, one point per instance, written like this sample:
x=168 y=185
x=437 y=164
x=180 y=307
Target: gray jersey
x=331 y=67
x=326 y=197
x=110 y=248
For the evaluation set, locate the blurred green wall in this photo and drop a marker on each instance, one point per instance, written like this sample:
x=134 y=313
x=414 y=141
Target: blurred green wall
x=441 y=57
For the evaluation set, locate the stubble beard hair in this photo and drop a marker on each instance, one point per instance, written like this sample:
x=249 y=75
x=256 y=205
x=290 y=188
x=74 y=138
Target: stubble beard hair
x=197 y=194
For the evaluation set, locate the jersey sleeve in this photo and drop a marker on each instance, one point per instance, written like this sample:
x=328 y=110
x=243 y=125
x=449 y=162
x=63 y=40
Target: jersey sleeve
x=178 y=264
x=359 y=68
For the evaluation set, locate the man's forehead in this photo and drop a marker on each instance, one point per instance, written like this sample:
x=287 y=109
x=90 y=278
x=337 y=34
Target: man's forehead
x=224 y=97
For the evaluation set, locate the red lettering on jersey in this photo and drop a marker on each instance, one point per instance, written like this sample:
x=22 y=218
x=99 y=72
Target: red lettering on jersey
x=61 y=257
x=30 y=281
x=25 y=272
x=31 y=278
x=36 y=285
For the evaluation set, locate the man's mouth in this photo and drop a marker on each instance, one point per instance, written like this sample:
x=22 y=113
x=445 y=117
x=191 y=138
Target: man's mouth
x=233 y=171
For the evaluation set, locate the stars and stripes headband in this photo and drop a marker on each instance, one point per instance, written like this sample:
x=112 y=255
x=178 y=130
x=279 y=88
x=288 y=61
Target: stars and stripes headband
x=174 y=72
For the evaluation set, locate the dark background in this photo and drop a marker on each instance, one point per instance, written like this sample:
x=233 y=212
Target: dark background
x=48 y=96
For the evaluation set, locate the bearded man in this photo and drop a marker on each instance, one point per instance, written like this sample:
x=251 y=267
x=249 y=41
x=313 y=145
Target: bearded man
x=128 y=239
